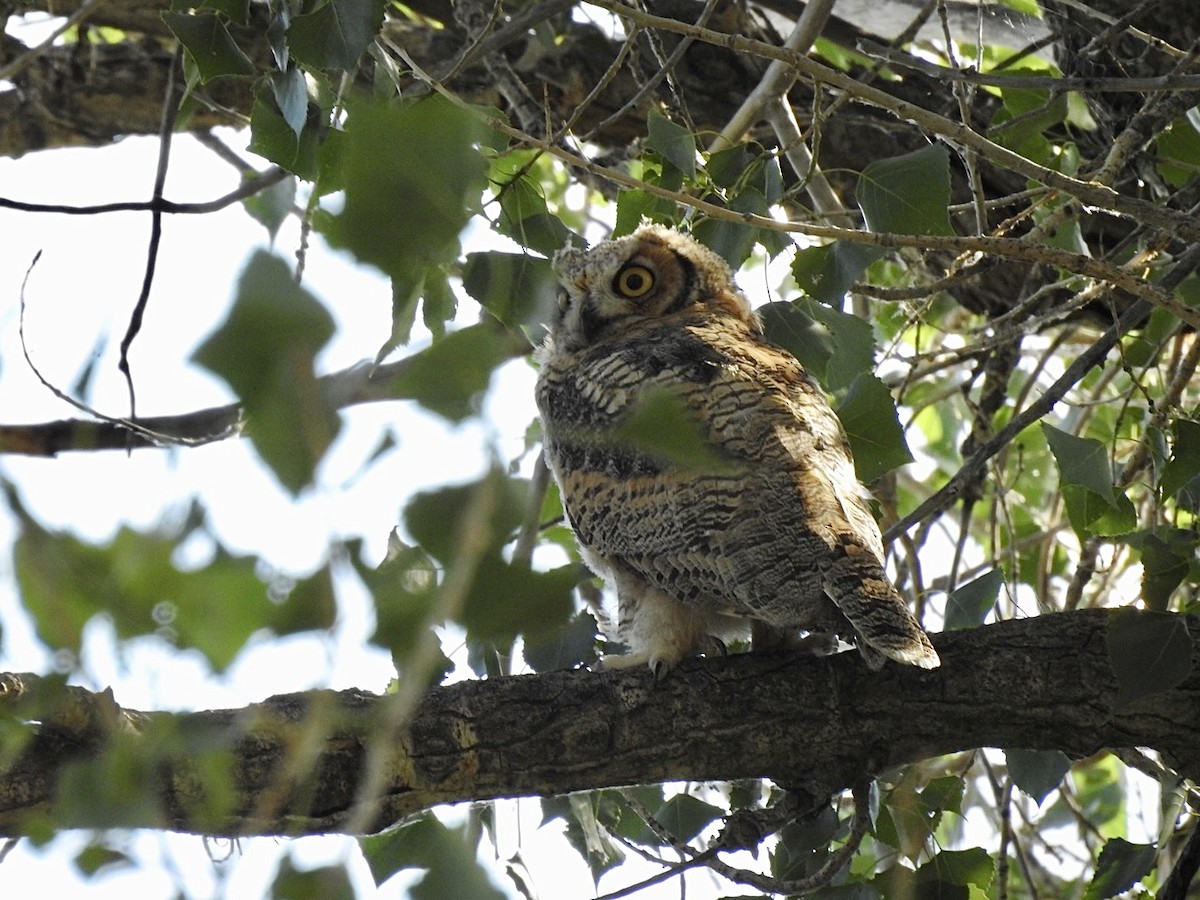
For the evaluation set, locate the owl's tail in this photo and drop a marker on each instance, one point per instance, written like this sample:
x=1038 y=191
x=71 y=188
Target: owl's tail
x=858 y=585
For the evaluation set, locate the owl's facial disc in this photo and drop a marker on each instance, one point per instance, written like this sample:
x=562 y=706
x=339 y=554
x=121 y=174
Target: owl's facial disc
x=632 y=277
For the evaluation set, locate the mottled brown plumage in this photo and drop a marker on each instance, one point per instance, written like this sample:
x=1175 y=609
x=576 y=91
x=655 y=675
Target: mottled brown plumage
x=772 y=527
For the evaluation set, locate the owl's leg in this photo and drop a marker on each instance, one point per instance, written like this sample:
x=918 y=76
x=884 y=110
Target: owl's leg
x=658 y=629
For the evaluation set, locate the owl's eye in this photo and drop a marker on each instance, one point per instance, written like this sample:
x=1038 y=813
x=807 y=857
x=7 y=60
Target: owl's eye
x=633 y=282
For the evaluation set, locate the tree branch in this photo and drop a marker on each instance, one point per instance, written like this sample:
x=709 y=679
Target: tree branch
x=1041 y=683
x=358 y=384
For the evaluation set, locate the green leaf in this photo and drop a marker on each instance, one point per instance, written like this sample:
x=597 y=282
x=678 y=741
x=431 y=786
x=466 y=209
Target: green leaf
x=825 y=273
x=672 y=142
x=450 y=375
x=969 y=604
x=1120 y=866
x=546 y=600
x=425 y=843
x=1184 y=464
x=868 y=414
x=586 y=835
x=516 y=288
x=271 y=137
x=685 y=816
x=1150 y=652
x=733 y=241
x=1082 y=461
x=320 y=883
x=235 y=10
x=96 y=858
x=524 y=216
x=961 y=867
x=436 y=518
x=635 y=206
x=134 y=582
x=413 y=177
x=908 y=194
x=835 y=347
x=271 y=207
x=660 y=425
x=1037 y=772
x=291 y=96
x=208 y=44
x=404 y=589
x=1168 y=556
x=1091 y=514
x=1178 y=148
x=264 y=351
x=334 y=35
x=565 y=647
x=728 y=167
x=438 y=303
x=500 y=599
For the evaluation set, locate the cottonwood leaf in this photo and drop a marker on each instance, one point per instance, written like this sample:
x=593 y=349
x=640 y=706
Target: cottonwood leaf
x=908 y=194
x=868 y=414
x=661 y=426
x=835 y=347
x=1119 y=867
x=1150 y=652
x=1082 y=461
x=960 y=867
x=1184 y=464
x=1037 y=772
x=404 y=208
x=208 y=44
x=451 y=374
x=319 y=883
x=425 y=843
x=336 y=34
x=516 y=288
x=685 y=816
x=825 y=273
x=265 y=351
x=969 y=604
x=672 y=142
x=291 y=96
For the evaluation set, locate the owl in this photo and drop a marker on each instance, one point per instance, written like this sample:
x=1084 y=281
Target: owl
x=769 y=532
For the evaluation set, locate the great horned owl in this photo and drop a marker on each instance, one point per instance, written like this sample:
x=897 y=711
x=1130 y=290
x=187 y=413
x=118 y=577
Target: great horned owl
x=775 y=530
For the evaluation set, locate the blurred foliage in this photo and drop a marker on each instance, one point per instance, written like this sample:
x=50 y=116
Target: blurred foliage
x=1096 y=507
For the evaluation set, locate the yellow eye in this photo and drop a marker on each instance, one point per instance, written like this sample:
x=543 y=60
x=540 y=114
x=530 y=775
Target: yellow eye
x=634 y=282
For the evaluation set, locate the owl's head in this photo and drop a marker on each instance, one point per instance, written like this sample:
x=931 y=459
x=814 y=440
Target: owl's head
x=652 y=273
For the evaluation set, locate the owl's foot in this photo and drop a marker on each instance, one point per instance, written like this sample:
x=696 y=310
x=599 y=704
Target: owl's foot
x=662 y=658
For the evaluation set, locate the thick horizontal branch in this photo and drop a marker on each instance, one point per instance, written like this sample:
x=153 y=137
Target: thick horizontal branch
x=295 y=762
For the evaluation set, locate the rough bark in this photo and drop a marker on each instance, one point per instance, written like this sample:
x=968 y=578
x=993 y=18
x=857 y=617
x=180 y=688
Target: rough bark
x=817 y=723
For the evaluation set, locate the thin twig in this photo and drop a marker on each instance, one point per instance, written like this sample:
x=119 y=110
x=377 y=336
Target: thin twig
x=1096 y=85
x=170 y=110
x=248 y=188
